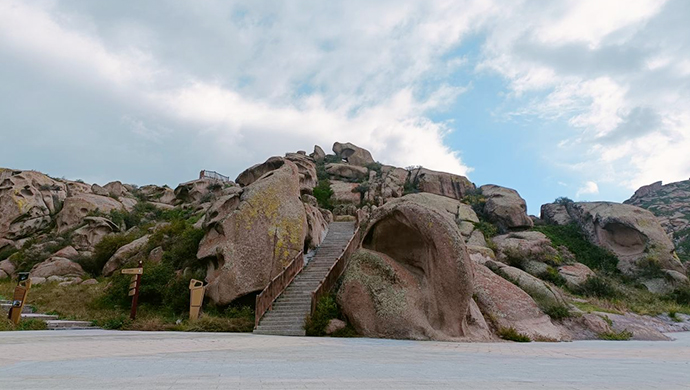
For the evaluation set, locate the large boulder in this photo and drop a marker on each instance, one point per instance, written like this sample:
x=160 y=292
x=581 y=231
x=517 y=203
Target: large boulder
x=347 y=171
x=545 y=295
x=344 y=192
x=440 y=183
x=157 y=194
x=518 y=248
x=124 y=254
x=7 y=269
x=27 y=200
x=575 y=274
x=77 y=207
x=251 y=235
x=116 y=189
x=56 y=266
x=194 y=190
x=353 y=154
x=86 y=237
x=508 y=306
x=505 y=208
x=253 y=173
x=413 y=279
x=307 y=171
x=318 y=155
x=670 y=203
x=633 y=234
x=317 y=226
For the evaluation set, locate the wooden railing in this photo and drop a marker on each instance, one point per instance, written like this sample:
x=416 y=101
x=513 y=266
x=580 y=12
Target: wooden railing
x=336 y=270
x=276 y=286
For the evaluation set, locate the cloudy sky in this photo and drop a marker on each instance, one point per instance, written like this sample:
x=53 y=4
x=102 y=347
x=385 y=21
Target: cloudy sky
x=585 y=99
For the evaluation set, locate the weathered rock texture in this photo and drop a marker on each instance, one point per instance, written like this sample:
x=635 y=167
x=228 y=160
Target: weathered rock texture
x=633 y=234
x=670 y=203
x=353 y=154
x=440 y=183
x=252 y=235
x=27 y=200
x=505 y=208
x=507 y=306
x=414 y=277
x=77 y=207
x=56 y=266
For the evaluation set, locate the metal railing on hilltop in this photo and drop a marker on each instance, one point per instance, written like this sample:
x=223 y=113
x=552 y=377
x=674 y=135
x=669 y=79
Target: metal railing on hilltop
x=213 y=175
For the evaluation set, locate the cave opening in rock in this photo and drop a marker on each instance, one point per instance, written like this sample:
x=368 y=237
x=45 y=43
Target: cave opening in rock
x=622 y=239
x=397 y=238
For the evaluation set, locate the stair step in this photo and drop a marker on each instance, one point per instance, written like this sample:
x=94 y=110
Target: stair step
x=66 y=324
x=6 y=308
x=35 y=316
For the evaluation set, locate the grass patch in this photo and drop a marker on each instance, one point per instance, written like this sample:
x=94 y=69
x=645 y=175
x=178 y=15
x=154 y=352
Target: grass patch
x=31 y=324
x=585 y=252
x=513 y=335
x=551 y=275
x=598 y=286
x=616 y=336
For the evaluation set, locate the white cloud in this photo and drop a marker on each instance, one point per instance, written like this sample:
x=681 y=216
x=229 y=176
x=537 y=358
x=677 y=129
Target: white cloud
x=367 y=83
x=589 y=188
x=613 y=72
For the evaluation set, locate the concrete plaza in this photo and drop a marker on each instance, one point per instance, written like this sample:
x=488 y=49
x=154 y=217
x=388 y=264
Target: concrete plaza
x=95 y=359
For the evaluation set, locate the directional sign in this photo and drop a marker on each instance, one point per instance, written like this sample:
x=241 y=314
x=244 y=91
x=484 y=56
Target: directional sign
x=132 y=292
x=133 y=271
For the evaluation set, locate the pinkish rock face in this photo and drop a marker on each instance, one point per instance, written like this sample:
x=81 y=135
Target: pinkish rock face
x=77 y=207
x=252 y=234
x=506 y=208
x=441 y=183
x=27 y=199
x=575 y=274
x=413 y=279
x=353 y=154
x=509 y=306
x=56 y=266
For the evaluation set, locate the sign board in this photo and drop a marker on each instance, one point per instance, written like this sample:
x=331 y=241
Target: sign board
x=133 y=271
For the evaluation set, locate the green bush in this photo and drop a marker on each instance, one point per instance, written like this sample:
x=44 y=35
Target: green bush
x=513 y=335
x=323 y=194
x=617 y=336
x=551 y=275
x=598 y=286
x=586 y=253
x=563 y=200
x=7 y=252
x=376 y=167
x=326 y=309
x=332 y=159
x=489 y=230
x=104 y=250
x=681 y=295
x=557 y=312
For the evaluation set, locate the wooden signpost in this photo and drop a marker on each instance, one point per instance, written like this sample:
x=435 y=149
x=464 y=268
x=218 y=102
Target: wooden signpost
x=134 y=286
x=19 y=297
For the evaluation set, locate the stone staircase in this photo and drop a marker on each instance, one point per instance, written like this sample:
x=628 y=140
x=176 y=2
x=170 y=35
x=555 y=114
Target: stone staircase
x=52 y=321
x=294 y=304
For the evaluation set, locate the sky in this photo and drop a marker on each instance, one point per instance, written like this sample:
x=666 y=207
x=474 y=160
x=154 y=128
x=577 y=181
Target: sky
x=584 y=99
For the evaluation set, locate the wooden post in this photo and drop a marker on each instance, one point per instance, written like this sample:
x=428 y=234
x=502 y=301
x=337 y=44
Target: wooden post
x=134 y=286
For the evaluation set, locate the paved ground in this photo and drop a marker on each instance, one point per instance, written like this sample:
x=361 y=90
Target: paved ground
x=94 y=359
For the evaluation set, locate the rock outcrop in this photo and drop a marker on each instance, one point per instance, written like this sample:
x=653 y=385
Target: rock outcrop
x=508 y=306
x=27 y=201
x=77 y=207
x=631 y=233
x=505 y=208
x=194 y=190
x=412 y=279
x=670 y=204
x=56 y=266
x=440 y=183
x=353 y=154
x=86 y=237
x=124 y=254
x=251 y=235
